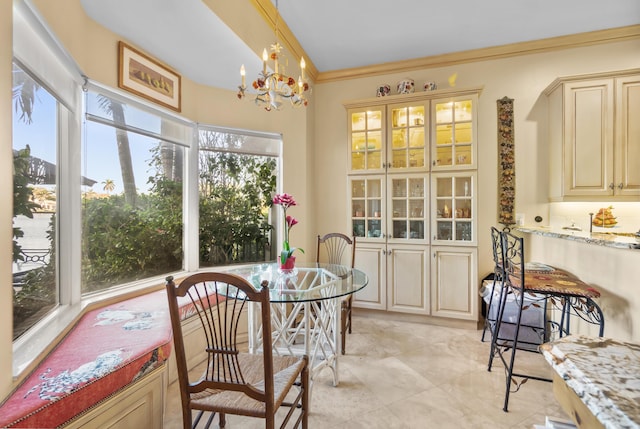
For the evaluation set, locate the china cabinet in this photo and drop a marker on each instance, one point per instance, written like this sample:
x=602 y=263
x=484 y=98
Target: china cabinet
x=412 y=178
x=594 y=137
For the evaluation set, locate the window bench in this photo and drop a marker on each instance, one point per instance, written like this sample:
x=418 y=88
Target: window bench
x=113 y=361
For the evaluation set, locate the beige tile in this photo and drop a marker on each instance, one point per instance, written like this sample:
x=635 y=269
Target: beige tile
x=409 y=375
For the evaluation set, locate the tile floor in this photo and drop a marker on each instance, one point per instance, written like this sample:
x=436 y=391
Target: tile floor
x=410 y=375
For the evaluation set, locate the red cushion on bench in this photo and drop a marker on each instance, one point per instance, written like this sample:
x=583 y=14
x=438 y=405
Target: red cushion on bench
x=108 y=349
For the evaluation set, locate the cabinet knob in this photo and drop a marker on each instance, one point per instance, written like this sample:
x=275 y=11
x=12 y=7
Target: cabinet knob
x=621 y=185
x=611 y=186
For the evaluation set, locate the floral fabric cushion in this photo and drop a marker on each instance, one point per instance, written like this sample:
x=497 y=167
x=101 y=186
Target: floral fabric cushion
x=108 y=349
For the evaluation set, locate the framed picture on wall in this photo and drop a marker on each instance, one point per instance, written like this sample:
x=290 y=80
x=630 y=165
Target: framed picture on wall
x=146 y=77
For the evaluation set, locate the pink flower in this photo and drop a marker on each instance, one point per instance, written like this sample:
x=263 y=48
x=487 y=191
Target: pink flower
x=286 y=201
x=291 y=221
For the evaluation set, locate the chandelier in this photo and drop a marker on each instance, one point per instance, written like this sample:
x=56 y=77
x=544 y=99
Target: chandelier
x=273 y=87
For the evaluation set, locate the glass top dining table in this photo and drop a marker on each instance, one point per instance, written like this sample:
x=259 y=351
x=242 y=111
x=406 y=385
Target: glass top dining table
x=306 y=282
x=305 y=310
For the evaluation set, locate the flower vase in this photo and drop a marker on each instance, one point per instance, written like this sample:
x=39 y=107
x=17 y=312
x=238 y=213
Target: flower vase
x=289 y=265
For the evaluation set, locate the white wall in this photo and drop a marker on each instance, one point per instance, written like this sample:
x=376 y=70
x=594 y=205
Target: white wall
x=522 y=78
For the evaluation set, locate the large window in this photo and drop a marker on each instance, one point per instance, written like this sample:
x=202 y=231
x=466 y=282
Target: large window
x=35 y=131
x=237 y=179
x=111 y=193
x=132 y=198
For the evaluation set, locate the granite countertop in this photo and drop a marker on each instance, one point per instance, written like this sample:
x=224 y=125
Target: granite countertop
x=604 y=373
x=607 y=239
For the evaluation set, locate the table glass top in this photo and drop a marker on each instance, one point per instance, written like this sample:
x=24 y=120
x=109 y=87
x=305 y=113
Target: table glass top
x=307 y=282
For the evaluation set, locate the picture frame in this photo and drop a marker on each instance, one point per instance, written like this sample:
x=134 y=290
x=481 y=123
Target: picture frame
x=146 y=77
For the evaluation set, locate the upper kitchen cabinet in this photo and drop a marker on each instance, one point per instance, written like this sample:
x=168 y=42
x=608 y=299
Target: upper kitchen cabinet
x=386 y=139
x=408 y=144
x=367 y=148
x=594 y=139
x=627 y=165
x=454 y=133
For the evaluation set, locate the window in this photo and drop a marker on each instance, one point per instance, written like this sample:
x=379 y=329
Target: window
x=104 y=199
x=237 y=179
x=35 y=133
x=132 y=195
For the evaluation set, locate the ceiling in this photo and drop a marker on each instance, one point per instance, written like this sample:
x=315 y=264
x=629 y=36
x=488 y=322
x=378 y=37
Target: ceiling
x=344 y=34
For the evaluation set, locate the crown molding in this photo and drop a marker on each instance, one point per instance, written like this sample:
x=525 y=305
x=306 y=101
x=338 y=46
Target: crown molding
x=504 y=51
x=289 y=41
x=589 y=76
x=285 y=36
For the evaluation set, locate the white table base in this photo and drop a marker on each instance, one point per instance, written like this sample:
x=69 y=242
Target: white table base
x=299 y=328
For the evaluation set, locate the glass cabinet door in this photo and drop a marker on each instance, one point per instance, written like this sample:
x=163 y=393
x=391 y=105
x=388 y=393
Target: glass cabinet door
x=407 y=142
x=366 y=207
x=453 y=208
x=366 y=140
x=408 y=199
x=454 y=133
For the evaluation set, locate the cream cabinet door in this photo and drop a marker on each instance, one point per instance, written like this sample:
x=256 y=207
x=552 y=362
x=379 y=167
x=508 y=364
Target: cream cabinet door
x=367 y=208
x=627 y=172
x=371 y=259
x=588 y=139
x=454 y=211
x=454 y=278
x=454 y=133
x=140 y=405
x=407 y=208
x=408 y=279
x=366 y=140
x=408 y=137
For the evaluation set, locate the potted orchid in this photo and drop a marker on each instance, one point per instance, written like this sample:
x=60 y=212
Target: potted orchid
x=287 y=260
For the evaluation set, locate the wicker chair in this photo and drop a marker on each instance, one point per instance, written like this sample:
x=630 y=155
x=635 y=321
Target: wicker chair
x=337 y=248
x=233 y=382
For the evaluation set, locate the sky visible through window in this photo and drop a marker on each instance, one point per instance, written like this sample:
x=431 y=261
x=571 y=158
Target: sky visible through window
x=103 y=162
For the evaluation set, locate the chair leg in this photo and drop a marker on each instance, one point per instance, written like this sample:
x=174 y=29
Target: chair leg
x=350 y=306
x=305 y=395
x=502 y=302
x=513 y=352
x=487 y=321
x=344 y=315
x=223 y=420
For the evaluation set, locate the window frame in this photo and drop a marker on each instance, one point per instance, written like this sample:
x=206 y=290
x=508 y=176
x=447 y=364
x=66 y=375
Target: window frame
x=30 y=348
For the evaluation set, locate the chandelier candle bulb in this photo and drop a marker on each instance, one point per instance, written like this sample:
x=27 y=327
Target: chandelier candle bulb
x=265 y=57
x=302 y=66
x=242 y=74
